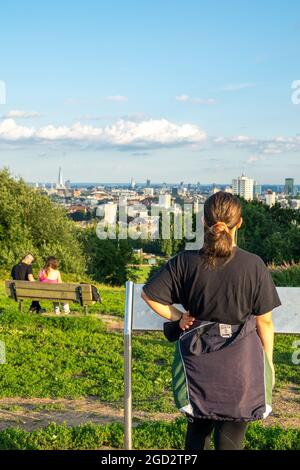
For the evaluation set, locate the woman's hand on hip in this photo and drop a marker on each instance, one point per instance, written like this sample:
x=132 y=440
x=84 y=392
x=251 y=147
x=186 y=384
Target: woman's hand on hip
x=186 y=321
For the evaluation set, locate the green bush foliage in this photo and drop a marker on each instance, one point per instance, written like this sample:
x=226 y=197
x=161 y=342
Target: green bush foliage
x=30 y=222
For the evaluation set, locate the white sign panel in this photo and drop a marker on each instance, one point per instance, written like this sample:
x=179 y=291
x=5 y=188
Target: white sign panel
x=286 y=317
x=143 y=317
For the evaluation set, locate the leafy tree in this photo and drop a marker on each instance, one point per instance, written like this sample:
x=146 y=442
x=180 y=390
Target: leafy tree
x=108 y=261
x=271 y=232
x=30 y=222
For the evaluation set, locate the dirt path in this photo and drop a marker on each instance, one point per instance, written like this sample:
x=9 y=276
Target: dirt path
x=33 y=413
x=286 y=407
x=112 y=322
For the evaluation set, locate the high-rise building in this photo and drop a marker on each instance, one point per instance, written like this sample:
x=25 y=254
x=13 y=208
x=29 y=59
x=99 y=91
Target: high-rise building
x=243 y=186
x=174 y=191
x=60 y=181
x=122 y=200
x=270 y=197
x=110 y=213
x=289 y=186
x=148 y=184
x=132 y=183
x=257 y=189
x=164 y=201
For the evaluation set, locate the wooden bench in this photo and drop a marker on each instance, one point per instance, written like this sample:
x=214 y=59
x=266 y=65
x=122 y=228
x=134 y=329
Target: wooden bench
x=65 y=292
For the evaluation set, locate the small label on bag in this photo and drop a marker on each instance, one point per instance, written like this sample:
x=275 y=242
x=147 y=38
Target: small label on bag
x=225 y=330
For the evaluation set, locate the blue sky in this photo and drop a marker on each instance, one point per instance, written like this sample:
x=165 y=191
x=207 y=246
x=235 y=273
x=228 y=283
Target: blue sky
x=163 y=89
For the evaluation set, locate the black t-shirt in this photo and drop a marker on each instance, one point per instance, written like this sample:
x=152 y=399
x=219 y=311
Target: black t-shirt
x=227 y=294
x=21 y=271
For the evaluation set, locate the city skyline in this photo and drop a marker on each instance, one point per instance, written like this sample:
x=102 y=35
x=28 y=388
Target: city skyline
x=149 y=90
x=59 y=182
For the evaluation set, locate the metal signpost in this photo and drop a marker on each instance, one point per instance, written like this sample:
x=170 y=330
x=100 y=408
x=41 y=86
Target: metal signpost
x=139 y=317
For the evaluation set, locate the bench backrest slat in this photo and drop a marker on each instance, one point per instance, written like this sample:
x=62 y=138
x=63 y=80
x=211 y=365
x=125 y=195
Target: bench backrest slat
x=65 y=286
x=68 y=292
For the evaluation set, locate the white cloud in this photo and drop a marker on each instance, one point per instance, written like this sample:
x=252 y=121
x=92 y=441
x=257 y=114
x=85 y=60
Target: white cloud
x=118 y=98
x=241 y=138
x=123 y=134
x=272 y=149
x=237 y=86
x=209 y=101
x=182 y=98
x=187 y=98
x=10 y=131
x=253 y=159
x=271 y=146
x=18 y=113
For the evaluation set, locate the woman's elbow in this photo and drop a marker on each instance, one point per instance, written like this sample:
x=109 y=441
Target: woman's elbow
x=265 y=320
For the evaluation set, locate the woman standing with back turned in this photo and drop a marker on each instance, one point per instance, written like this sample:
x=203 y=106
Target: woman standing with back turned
x=223 y=371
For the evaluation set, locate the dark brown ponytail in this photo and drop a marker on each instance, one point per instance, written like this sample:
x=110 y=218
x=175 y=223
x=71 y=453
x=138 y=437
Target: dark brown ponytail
x=51 y=263
x=222 y=211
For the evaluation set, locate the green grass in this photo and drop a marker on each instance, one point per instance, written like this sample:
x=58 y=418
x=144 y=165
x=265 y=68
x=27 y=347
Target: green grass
x=75 y=357
x=71 y=357
x=154 y=435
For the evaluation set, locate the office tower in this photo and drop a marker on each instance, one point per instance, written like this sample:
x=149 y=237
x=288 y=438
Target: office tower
x=132 y=183
x=148 y=184
x=68 y=184
x=60 y=182
x=110 y=212
x=122 y=200
x=257 y=188
x=165 y=201
x=174 y=191
x=270 y=197
x=289 y=186
x=243 y=186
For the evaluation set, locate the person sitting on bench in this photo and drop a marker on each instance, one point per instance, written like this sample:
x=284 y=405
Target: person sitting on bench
x=23 y=272
x=51 y=274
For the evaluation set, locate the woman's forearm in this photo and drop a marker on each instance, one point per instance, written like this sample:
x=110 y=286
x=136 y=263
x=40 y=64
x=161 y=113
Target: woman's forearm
x=166 y=311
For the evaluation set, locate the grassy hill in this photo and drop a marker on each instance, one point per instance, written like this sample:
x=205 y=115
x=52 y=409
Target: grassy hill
x=53 y=359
